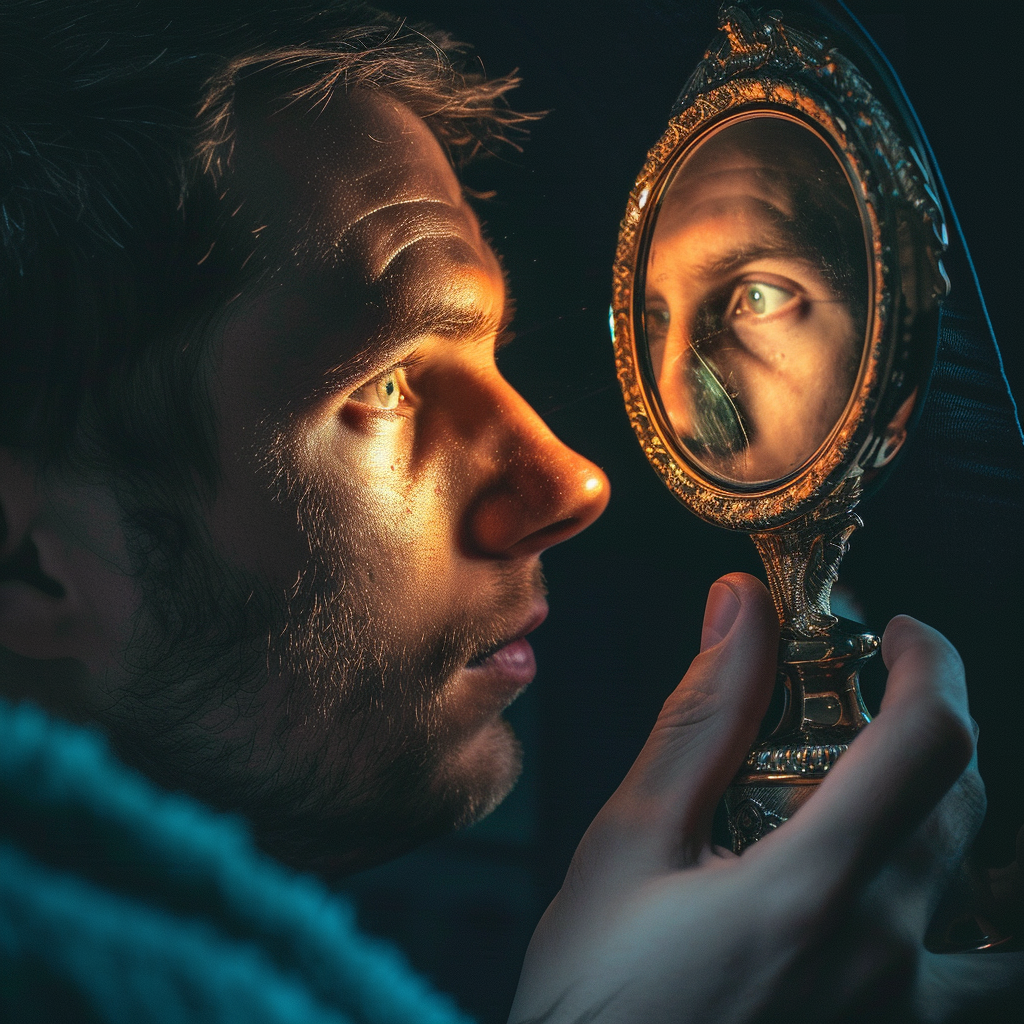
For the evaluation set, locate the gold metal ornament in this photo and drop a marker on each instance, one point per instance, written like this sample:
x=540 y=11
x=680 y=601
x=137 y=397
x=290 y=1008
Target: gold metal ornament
x=820 y=658
x=761 y=69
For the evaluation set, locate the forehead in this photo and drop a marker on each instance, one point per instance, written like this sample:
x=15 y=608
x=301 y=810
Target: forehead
x=371 y=238
x=739 y=188
x=321 y=173
x=720 y=213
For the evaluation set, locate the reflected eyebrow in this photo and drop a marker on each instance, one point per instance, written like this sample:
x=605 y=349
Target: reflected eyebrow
x=779 y=238
x=731 y=261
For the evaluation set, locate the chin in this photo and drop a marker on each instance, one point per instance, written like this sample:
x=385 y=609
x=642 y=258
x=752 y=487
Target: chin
x=463 y=787
x=481 y=773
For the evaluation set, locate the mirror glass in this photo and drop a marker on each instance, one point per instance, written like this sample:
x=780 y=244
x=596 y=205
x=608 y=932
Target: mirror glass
x=756 y=297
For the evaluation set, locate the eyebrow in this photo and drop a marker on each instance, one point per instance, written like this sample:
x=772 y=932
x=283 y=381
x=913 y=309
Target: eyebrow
x=733 y=260
x=782 y=239
x=462 y=322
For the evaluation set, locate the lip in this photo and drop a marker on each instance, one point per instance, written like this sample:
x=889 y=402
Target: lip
x=512 y=665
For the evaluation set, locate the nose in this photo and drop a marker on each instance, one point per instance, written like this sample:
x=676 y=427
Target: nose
x=537 y=492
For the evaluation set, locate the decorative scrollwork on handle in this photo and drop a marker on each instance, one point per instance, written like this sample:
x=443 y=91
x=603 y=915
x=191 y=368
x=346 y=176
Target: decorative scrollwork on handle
x=802 y=561
x=805 y=759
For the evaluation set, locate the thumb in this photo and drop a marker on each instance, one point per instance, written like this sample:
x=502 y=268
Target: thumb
x=706 y=726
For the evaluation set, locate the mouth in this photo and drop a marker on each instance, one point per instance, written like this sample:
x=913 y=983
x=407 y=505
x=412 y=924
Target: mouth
x=511 y=660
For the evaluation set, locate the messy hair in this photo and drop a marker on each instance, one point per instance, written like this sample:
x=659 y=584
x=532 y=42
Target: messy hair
x=116 y=134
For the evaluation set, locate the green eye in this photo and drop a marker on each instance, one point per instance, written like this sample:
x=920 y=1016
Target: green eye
x=389 y=394
x=756 y=298
x=384 y=392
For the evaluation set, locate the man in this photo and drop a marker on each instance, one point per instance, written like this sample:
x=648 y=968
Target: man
x=272 y=522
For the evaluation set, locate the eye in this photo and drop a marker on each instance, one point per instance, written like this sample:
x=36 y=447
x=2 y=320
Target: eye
x=758 y=298
x=383 y=392
x=657 y=321
x=658 y=318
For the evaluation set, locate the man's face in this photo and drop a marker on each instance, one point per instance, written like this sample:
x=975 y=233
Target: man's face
x=385 y=495
x=754 y=349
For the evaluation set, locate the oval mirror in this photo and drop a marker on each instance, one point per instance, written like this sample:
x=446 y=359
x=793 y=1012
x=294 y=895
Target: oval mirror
x=756 y=296
x=776 y=291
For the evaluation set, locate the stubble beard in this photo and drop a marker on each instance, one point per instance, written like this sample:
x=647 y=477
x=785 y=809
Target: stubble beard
x=300 y=710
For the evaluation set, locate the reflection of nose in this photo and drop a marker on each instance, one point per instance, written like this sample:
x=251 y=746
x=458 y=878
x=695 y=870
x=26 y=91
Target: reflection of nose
x=672 y=382
x=536 y=491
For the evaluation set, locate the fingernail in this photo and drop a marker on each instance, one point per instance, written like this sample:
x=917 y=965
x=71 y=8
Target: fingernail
x=722 y=608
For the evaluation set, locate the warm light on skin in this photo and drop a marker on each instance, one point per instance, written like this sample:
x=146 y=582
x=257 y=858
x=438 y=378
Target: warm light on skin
x=785 y=341
x=340 y=641
x=447 y=493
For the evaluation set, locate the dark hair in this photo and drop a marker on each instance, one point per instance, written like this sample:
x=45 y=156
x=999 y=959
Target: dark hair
x=117 y=121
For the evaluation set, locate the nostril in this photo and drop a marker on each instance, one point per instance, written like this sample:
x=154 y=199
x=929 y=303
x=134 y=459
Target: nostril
x=596 y=491
x=548 y=536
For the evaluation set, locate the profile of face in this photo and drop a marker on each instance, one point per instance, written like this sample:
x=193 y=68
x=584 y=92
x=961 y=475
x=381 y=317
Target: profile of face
x=755 y=298
x=335 y=658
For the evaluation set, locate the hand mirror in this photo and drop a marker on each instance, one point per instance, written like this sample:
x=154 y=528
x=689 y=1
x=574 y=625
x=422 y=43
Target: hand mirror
x=775 y=306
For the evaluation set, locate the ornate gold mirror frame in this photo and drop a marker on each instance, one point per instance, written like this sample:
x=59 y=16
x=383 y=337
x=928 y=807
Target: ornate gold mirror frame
x=801 y=524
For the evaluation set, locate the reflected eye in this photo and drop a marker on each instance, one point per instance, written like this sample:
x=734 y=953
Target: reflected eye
x=657 y=321
x=758 y=298
x=657 y=317
x=384 y=392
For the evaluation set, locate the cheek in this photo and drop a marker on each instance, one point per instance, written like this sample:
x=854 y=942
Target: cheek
x=399 y=514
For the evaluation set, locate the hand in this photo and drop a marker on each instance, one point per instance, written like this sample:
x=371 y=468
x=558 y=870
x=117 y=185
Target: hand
x=824 y=917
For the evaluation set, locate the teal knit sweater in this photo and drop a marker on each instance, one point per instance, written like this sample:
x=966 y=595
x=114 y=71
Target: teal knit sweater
x=123 y=903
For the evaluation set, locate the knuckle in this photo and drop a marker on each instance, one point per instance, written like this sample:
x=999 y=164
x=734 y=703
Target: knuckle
x=937 y=721
x=805 y=908
x=937 y=652
x=972 y=797
x=905 y=635
x=950 y=732
x=974 y=792
x=948 y=659
x=688 y=705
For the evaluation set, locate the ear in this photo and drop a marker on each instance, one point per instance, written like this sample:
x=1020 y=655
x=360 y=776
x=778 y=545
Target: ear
x=33 y=602
x=45 y=607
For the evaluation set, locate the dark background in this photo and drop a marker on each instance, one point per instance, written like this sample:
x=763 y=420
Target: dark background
x=627 y=596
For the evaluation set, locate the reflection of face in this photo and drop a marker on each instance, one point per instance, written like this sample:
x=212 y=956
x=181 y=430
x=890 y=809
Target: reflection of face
x=753 y=349
x=340 y=669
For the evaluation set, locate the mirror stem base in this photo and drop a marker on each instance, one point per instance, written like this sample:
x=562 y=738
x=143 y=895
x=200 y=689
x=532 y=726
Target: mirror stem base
x=823 y=713
x=820 y=658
